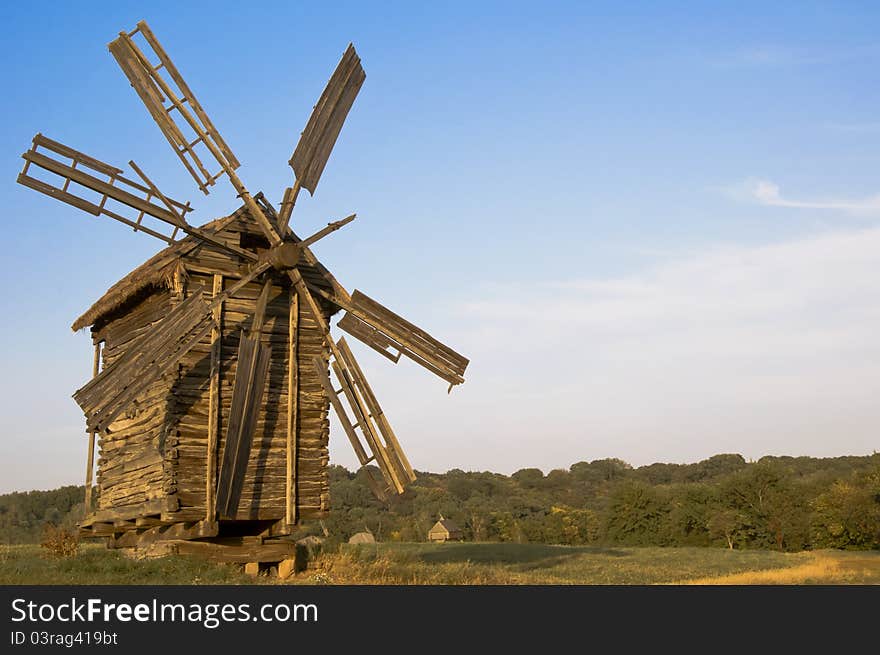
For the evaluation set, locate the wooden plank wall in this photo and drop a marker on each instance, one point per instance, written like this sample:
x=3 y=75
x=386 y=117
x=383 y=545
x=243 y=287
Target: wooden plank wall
x=265 y=484
x=132 y=463
x=161 y=447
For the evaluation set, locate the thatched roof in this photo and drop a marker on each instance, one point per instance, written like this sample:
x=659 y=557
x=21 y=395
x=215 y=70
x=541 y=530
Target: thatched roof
x=445 y=525
x=158 y=271
x=362 y=538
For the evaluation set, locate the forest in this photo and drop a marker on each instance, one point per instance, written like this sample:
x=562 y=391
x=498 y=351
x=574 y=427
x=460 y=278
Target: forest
x=781 y=503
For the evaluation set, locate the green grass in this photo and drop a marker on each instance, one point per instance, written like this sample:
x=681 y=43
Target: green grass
x=95 y=564
x=507 y=563
x=462 y=563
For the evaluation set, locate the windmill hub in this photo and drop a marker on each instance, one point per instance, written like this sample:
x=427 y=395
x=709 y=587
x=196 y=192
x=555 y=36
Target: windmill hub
x=284 y=256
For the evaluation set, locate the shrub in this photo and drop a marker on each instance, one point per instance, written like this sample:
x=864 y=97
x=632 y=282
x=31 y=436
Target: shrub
x=59 y=542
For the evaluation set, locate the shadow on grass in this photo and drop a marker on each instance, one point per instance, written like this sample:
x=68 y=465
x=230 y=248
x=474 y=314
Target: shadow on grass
x=529 y=556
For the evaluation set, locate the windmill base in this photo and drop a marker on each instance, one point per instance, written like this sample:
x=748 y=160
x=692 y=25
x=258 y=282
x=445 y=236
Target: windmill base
x=240 y=551
x=144 y=532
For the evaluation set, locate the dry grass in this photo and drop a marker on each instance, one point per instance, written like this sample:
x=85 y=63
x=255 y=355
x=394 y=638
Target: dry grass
x=461 y=564
x=824 y=567
x=352 y=568
x=506 y=564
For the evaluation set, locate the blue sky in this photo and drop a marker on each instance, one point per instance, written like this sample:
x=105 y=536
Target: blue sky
x=653 y=230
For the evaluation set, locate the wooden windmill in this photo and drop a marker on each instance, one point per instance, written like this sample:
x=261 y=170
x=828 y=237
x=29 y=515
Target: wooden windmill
x=211 y=386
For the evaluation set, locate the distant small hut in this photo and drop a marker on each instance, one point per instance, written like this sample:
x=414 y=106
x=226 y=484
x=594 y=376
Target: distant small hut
x=362 y=538
x=445 y=530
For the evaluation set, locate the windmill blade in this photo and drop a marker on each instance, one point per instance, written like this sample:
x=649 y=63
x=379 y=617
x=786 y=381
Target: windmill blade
x=386 y=332
x=369 y=418
x=247 y=397
x=394 y=452
x=320 y=134
x=145 y=361
x=74 y=167
x=322 y=130
x=154 y=90
x=368 y=415
x=87 y=171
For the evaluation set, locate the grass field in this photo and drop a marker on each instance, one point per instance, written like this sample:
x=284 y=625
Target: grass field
x=465 y=563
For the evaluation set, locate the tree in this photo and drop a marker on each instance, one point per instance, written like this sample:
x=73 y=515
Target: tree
x=847 y=515
x=528 y=478
x=714 y=467
x=635 y=511
x=690 y=507
x=773 y=508
x=726 y=524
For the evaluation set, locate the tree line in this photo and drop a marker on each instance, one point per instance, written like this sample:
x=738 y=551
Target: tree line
x=784 y=503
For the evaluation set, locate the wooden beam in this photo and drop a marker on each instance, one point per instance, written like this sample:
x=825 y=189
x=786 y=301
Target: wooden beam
x=90 y=466
x=104 y=188
x=365 y=422
x=186 y=227
x=292 y=406
x=144 y=29
x=76 y=155
x=376 y=412
x=97 y=165
x=191 y=530
x=344 y=421
x=331 y=227
x=260 y=311
x=247 y=395
x=242 y=552
x=370 y=336
x=214 y=405
x=153 y=507
x=287 y=203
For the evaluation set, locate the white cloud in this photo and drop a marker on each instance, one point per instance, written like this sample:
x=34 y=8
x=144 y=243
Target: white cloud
x=756 y=350
x=767 y=193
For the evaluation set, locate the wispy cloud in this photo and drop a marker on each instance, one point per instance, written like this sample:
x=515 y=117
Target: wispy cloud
x=869 y=127
x=767 y=193
x=771 y=55
x=746 y=349
x=775 y=55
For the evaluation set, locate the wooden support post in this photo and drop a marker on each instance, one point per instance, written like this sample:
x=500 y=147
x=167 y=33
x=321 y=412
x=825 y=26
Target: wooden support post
x=247 y=395
x=292 y=406
x=90 y=466
x=214 y=406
